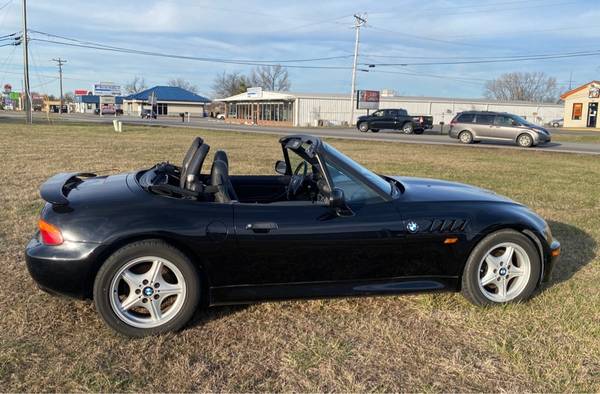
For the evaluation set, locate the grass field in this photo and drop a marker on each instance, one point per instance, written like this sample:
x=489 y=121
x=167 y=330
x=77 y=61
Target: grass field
x=424 y=342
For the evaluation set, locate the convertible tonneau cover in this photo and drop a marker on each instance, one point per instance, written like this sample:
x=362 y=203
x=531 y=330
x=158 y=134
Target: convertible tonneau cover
x=56 y=189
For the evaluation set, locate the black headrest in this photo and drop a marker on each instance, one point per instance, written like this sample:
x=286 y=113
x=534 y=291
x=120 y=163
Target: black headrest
x=221 y=155
x=187 y=158
x=193 y=170
x=219 y=176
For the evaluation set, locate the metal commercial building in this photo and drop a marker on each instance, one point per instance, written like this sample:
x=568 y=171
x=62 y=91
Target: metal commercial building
x=316 y=109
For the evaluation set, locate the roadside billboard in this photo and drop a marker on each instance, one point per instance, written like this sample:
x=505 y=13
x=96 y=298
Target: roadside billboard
x=367 y=99
x=81 y=92
x=107 y=89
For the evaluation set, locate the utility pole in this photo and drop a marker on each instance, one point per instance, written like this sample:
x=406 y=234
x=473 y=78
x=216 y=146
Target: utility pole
x=570 y=80
x=25 y=40
x=60 y=63
x=359 y=22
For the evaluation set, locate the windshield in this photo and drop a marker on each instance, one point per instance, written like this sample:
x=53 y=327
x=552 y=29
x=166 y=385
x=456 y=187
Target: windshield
x=371 y=176
x=521 y=120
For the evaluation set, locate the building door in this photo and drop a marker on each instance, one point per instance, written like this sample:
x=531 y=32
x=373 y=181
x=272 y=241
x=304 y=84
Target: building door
x=592 y=114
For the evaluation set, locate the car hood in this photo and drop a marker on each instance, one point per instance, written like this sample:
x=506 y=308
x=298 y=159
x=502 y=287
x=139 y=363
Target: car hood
x=428 y=190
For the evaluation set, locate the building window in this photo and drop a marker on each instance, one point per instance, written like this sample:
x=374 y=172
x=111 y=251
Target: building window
x=577 y=111
x=89 y=106
x=161 y=109
x=232 y=111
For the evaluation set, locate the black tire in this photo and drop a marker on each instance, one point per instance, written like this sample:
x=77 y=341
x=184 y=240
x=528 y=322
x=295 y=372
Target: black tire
x=363 y=127
x=465 y=137
x=375 y=130
x=471 y=275
x=151 y=247
x=525 y=140
x=408 y=128
x=419 y=131
x=555 y=125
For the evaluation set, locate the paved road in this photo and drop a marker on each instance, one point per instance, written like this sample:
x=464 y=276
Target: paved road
x=431 y=137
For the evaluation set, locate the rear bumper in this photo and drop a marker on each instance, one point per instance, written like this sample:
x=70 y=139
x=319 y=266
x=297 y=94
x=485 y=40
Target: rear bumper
x=552 y=260
x=66 y=269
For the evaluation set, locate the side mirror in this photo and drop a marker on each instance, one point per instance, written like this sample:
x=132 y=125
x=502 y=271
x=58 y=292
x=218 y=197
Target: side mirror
x=337 y=201
x=280 y=167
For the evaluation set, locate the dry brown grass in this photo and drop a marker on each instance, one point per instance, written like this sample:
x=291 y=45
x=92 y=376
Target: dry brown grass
x=410 y=343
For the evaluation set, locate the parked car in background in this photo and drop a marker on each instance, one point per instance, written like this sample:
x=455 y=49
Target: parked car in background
x=148 y=114
x=557 y=122
x=220 y=116
x=394 y=119
x=476 y=126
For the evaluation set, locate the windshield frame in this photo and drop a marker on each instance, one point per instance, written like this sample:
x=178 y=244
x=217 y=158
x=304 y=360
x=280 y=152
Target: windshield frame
x=379 y=184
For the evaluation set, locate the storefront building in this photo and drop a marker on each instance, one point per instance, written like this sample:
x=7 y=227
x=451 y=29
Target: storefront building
x=581 y=106
x=260 y=108
x=165 y=101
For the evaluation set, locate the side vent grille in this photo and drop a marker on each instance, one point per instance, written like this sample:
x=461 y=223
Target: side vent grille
x=447 y=225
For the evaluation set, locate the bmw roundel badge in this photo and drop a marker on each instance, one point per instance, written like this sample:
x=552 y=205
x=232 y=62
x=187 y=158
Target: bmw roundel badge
x=412 y=227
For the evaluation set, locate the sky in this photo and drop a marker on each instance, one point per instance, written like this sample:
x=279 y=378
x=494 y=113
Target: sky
x=397 y=32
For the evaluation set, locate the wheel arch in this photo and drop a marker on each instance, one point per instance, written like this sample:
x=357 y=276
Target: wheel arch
x=118 y=243
x=530 y=233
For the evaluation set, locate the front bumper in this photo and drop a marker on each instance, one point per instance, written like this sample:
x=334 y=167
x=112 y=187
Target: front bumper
x=66 y=269
x=552 y=260
x=543 y=138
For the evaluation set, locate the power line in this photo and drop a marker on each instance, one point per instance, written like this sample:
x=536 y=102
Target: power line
x=594 y=52
x=234 y=61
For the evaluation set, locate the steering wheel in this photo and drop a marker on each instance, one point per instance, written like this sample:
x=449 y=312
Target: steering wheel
x=296 y=180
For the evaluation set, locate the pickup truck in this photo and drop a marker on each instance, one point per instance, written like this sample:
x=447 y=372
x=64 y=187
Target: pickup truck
x=395 y=119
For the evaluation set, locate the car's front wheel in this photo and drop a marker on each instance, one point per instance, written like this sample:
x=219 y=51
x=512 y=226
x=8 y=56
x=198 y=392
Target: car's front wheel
x=504 y=267
x=146 y=288
x=364 y=127
x=525 y=140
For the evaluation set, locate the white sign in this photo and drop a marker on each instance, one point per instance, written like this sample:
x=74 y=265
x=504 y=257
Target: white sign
x=107 y=89
x=255 y=92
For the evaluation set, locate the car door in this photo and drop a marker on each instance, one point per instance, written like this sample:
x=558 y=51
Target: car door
x=505 y=127
x=304 y=241
x=484 y=125
x=377 y=120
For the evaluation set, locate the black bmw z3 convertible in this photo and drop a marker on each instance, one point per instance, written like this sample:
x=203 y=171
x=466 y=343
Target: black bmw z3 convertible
x=150 y=246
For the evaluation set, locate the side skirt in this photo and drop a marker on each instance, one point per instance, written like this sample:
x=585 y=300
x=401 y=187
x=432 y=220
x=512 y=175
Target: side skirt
x=247 y=294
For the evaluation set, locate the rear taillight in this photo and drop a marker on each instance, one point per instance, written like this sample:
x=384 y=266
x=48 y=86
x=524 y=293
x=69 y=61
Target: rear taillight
x=50 y=234
x=420 y=119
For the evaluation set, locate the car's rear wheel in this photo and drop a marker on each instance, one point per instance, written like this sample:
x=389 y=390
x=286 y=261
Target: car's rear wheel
x=525 y=140
x=419 y=131
x=364 y=127
x=407 y=128
x=504 y=267
x=147 y=288
x=465 y=137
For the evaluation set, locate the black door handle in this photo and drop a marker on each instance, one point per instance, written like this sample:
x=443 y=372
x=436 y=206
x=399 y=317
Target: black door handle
x=262 y=227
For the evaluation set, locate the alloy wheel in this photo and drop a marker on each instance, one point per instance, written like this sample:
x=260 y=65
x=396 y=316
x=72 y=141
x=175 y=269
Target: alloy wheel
x=147 y=292
x=504 y=272
x=525 y=140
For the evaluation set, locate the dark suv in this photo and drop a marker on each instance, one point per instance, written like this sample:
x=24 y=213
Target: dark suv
x=475 y=126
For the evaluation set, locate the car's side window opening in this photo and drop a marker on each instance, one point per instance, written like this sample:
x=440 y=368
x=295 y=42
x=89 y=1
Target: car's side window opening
x=356 y=193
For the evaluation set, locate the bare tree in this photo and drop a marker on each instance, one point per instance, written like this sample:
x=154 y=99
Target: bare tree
x=272 y=78
x=526 y=86
x=136 y=85
x=69 y=97
x=182 y=83
x=229 y=84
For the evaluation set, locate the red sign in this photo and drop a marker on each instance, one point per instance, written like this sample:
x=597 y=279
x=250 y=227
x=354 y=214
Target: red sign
x=7 y=88
x=81 y=92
